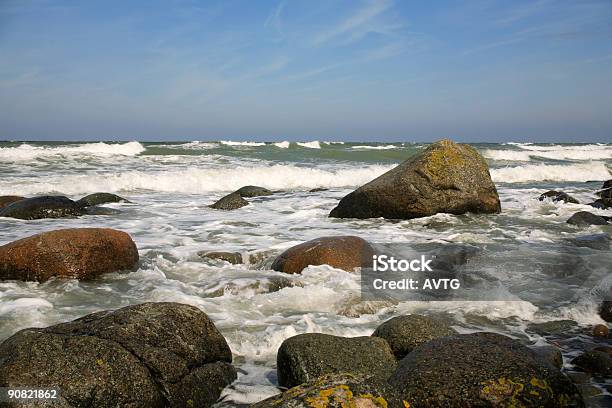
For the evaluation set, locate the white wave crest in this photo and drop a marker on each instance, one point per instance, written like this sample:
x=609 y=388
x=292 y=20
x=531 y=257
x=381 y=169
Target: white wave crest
x=311 y=145
x=26 y=152
x=282 y=145
x=232 y=143
x=591 y=171
x=554 y=152
x=367 y=147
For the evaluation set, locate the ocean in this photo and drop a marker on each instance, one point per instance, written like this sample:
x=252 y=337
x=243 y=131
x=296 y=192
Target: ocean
x=528 y=251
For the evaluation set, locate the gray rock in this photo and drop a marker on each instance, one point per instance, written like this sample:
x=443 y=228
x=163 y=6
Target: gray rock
x=404 y=333
x=481 y=370
x=595 y=362
x=231 y=201
x=148 y=355
x=253 y=191
x=605 y=194
x=593 y=241
x=42 y=207
x=549 y=354
x=231 y=257
x=444 y=178
x=100 y=198
x=602 y=203
x=552 y=327
x=305 y=357
x=558 y=196
x=585 y=218
x=317 y=190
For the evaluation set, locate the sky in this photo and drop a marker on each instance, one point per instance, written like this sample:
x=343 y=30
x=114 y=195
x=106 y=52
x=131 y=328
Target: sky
x=374 y=70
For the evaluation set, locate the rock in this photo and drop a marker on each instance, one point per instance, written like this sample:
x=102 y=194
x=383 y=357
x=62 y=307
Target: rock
x=404 y=333
x=10 y=199
x=602 y=203
x=600 y=330
x=595 y=362
x=605 y=194
x=231 y=257
x=337 y=391
x=558 y=196
x=480 y=370
x=231 y=201
x=42 y=207
x=444 y=178
x=593 y=241
x=77 y=253
x=553 y=327
x=148 y=355
x=585 y=218
x=605 y=310
x=342 y=252
x=549 y=354
x=607 y=184
x=317 y=190
x=253 y=191
x=305 y=357
x=100 y=198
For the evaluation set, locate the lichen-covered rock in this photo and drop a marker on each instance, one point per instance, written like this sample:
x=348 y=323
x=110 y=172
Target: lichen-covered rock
x=595 y=362
x=9 y=199
x=231 y=257
x=304 y=357
x=77 y=253
x=231 y=201
x=585 y=218
x=444 y=178
x=481 y=370
x=337 y=391
x=100 y=198
x=404 y=333
x=558 y=196
x=42 y=207
x=253 y=191
x=148 y=355
x=342 y=252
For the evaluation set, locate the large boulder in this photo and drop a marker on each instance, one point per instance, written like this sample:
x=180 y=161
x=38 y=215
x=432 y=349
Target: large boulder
x=585 y=218
x=77 y=253
x=444 y=178
x=342 y=252
x=253 y=191
x=337 y=391
x=404 y=333
x=231 y=201
x=42 y=207
x=9 y=199
x=100 y=198
x=305 y=357
x=556 y=196
x=481 y=370
x=148 y=355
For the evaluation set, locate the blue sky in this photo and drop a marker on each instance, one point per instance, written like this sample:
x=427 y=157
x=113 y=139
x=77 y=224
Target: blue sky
x=295 y=70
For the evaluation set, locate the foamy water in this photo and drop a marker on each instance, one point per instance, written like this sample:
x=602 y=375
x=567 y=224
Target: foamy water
x=527 y=249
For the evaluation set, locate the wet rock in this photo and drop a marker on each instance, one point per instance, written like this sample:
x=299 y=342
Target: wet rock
x=595 y=362
x=277 y=283
x=77 y=253
x=605 y=194
x=593 y=241
x=607 y=184
x=342 y=252
x=318 y=189
x=404 y=333
x=553 y=327
x=231 y=201
x=10 y=199
x=231 y=257
x=585 y=218
x=337 y=391
x=42 y=207
x=480 y=370
x=557 y=196
x=549 y=354
x=305 y=357
x=602 y=203
x=605 y=310
x=100 y=198
x=444 y=178
x=600 y=330
x=148 y=355
x=253 y=191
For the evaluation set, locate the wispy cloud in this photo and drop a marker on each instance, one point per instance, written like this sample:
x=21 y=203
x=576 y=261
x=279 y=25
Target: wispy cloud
x=274 y=20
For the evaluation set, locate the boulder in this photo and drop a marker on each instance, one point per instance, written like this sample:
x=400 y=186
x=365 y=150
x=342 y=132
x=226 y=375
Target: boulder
x=605 y=194
x=602 y=203
x=595 y=362
x=231 y=201
x=605 y=310
x=585 y=218
x=231 y=257
x=10 y=199
x=444 y=178
x=481 y=370
x=558 y=196
x=100 y=198
x=42 y=207
x=342 y=252
x=550 y=354
x=305 y=357
x=600 y=330
x=253 y=191
x=148 y=355
x=404 y=333
x=76 y=253
x=337 y=391
x=607 y=184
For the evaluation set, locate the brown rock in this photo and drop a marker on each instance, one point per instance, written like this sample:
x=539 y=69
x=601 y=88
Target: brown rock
x=10 y=199
x=342 y=252
x=600 y=330
x=77 y=253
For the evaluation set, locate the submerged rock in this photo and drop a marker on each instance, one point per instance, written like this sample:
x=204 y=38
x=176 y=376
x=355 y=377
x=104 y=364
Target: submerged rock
x=595 y=362
x=558 y=196
x=404 y=333
x=337 y=391
x=253 y=191
x=605 y=310
x=10 y=199
x=584 y=218
x=100 y=198
x=305 y=357
x=42 y=207
x=444 y=178
x=148 y=355
x=231 y=257
x=602 y=203
x=552 y=327
x=77 y=253
x=342 y=252
x=481 y=370
x=231 y=201
x=593 y=241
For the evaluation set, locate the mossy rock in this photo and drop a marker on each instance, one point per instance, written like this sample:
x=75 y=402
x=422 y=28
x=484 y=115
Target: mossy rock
x=100 y=198
x=231 y=201
x=42 y=207
x=253 y=191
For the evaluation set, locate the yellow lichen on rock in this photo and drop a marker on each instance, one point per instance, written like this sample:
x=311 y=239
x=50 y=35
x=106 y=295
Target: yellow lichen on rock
x=343 y=397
